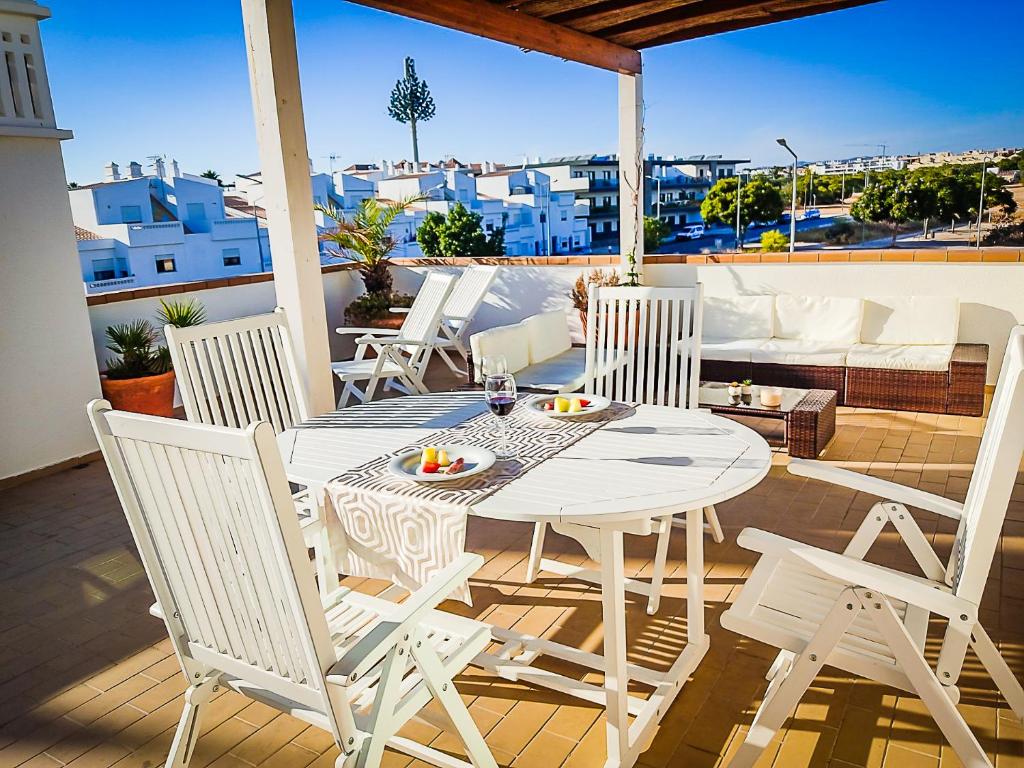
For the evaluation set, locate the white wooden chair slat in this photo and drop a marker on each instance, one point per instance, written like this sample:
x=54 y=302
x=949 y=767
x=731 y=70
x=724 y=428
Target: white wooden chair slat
x=786 y=598
x=641 y=347
x=213 y=518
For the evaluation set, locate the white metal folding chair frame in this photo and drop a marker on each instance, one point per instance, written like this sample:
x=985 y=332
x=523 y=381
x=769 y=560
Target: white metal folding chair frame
x=952 y=591
x=402 y=354
x=241 y=608
x=643 y=345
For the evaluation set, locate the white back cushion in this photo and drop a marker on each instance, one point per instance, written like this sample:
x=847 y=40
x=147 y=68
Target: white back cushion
x=510 y=341
x=911 y=320
x=548 y=334
x=738 y=317
x=819 y=318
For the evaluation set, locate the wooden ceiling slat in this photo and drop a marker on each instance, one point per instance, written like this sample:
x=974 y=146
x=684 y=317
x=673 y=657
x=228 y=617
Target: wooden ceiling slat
x=595 y=19
x=691 y=31
x=517 y=28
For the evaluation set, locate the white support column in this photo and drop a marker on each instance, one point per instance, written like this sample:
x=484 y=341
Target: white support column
x=631 y=168
x=288 y=195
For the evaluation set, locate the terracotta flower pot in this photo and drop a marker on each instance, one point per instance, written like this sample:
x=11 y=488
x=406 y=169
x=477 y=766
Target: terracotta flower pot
x=393 y=322
x=150 y=394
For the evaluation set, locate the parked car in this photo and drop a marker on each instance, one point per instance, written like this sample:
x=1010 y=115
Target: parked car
x=690 y=232
x=812 y=213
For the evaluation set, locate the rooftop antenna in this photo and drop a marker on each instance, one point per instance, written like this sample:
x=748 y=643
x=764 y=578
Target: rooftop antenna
x=331 y=158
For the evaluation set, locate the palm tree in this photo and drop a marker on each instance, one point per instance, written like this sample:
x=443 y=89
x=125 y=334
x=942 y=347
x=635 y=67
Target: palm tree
x=364 y=239
x=209 y=173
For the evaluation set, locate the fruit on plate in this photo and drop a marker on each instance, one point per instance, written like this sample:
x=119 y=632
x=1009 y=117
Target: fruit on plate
x=575 y=406
x=430 y=467
x=561 y=405
x=442 y=457
x=583 y=402
x=456 y=466
x=429 y=455
x=548 y=406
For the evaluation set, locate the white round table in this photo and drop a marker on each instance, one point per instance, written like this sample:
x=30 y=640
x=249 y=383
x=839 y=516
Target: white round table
x=655 y=461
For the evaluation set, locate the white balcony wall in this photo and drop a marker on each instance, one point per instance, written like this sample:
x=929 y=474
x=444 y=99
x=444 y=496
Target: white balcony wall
x=228 y=303
x=991 y=295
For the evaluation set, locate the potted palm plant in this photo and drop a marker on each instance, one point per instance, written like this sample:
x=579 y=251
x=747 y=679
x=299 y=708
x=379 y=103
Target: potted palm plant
x=140 y=378
x=366 y=242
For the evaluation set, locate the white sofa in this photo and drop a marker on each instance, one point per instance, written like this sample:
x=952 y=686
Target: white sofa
x=883 y=352
x=537 y=350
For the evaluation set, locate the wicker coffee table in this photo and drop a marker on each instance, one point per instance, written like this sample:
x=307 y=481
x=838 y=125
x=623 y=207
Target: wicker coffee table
x=808 y=415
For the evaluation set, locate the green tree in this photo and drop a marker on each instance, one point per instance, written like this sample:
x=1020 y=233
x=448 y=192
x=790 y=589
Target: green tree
x=411 y=103
x=365 y=239
x=761 y=200
x=655 y=230
x=458 y=234
x=894 y=198
x=209 y=173
x=773 y=241
x=429 y=235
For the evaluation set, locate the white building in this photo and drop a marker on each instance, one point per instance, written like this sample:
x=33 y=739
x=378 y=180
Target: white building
x=855 y=166
x=159 y=228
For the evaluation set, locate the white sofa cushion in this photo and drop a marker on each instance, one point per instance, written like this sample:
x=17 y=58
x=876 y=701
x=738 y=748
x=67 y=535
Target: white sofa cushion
x=737 y=350
x=511 y=341
x=565 y=372
x=737 y=317
x=548 y=335
x=901 y=357
x=911 y=320
x=819 y=318
x=800 y=352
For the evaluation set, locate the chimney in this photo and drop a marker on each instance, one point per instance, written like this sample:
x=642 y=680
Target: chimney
x=134 y=170
x=111 y=172
x=310 y=159
x=175 y=170
x=158 y=167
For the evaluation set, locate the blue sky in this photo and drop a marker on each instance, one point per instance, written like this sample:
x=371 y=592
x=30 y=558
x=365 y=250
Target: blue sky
x=133 y=79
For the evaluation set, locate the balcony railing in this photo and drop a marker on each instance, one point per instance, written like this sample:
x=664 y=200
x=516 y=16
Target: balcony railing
x=113 y=284
x=158 y=233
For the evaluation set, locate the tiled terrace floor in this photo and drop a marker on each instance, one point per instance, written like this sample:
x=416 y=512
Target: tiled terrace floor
x=87 y=677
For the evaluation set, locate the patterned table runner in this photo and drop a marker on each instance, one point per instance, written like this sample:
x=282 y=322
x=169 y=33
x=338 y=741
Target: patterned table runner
x=383 y=527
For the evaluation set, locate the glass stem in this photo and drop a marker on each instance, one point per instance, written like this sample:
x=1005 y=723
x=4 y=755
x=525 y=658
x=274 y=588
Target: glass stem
x=504 y=436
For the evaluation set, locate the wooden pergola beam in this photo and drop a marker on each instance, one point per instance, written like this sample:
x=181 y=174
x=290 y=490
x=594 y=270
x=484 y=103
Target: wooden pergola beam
x=520 y=29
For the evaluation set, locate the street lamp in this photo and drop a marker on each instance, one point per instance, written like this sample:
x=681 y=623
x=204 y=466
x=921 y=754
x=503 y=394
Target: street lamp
x=739 y=203
x=792 y=208
x=981 y=202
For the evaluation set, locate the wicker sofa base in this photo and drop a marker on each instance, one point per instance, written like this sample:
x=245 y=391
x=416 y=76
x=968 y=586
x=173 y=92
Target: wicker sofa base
x=960 y=390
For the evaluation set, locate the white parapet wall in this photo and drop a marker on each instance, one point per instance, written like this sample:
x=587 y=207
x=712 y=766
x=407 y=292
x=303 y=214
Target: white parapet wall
x=991 y=294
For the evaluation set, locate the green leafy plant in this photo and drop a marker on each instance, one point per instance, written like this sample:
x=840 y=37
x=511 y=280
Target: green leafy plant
x=773 y=241
x=365 y=241
x=460 y=233
x=632 y=276
x=135 y=342
x=760 y=200
x=375 y=306
x=655 y=230
x=580 y=290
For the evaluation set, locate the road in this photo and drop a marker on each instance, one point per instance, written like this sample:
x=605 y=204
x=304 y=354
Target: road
x=728 y=238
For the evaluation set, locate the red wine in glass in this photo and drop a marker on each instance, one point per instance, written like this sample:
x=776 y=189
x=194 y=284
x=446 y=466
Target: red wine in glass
x=501 y=405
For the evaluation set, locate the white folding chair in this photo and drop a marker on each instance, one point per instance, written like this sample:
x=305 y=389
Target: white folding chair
x=235 y=372
x=402 y=355
x=643 y=346
x=213 y=520
x=820 y=607
x=460 y=309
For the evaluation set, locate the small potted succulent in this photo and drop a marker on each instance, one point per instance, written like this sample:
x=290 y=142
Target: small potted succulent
x=735 y=389
x=140 y=378
x=745 y=387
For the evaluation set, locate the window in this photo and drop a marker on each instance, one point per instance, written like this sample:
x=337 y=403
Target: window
x=103 y=269
x=565 y=216
x=196 y=212
x=131 y=214
x=165 y=263
x=232 y=258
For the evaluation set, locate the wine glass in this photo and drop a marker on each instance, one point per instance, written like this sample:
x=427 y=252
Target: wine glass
x=493 y=365
x=500 y=394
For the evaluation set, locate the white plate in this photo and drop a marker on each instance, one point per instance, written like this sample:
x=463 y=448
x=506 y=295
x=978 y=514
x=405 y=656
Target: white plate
x=407 y=465
x=597 y=404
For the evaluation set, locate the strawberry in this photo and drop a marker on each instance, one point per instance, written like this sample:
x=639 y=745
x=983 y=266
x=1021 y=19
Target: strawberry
x=549 y=406
x=584 y=403
x=430 y=467
x=456 y=466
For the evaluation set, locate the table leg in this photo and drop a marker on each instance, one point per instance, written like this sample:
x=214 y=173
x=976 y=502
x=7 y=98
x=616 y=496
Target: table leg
x=613 y=608
x=695 y=576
